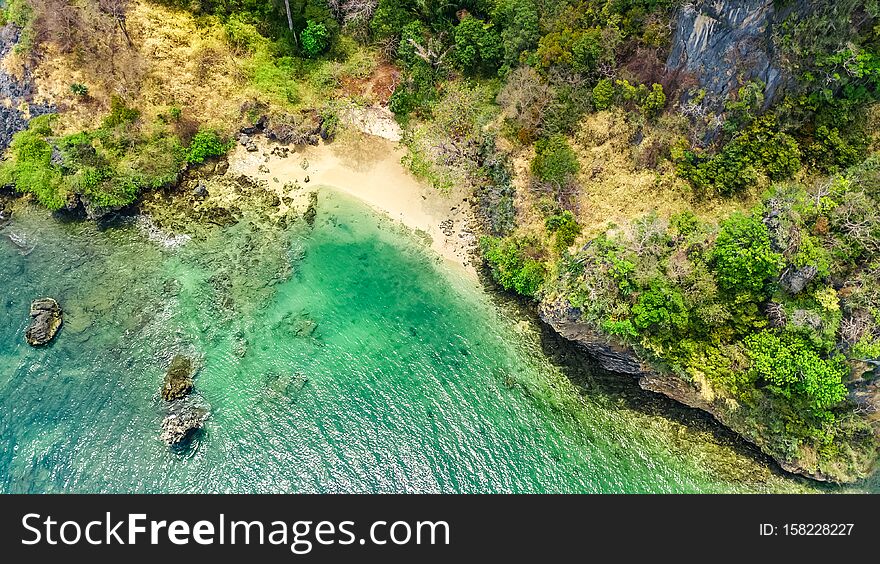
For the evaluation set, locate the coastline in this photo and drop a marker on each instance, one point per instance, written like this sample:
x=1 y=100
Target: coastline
x=368 y=168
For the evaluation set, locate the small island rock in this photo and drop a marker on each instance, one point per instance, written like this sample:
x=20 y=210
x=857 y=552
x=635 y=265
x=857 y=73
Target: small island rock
x=46 y=319
x=178 y=380
x=177 y=426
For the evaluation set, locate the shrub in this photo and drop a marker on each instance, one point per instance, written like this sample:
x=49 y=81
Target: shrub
x=512 y=265
x=760 y=148
x=80 y=90
x=743 y=259
x=555 y=161
x=565 y=229
x=32 y=171
x=120 y=113
x=603 y=94
x=315 y=38
x=207 y=143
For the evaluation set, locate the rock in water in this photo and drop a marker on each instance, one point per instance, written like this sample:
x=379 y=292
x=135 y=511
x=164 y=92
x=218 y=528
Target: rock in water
x=312 y=210
x=45 y=322
x=178 y=425
x=178 y=380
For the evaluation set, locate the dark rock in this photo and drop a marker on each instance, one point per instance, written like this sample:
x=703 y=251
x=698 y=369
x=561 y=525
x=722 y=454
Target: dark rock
x=5 y=214
x=245 y=141
x=17 y=92
x=724 y=44
x=182 y=422
x=299 y=128
x=178 y=379
x=46 y=319
x=312 y=210
x=796 y=279
x=201 y=189
x=610 y=355
x=257 y=126
x=280 y=151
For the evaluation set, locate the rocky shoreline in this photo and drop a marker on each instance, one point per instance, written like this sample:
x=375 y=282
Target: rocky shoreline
x=624 y=360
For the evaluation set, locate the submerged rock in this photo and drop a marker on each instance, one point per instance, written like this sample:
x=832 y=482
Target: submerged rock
x=182 y=422
x=312 y=210
x=46 y=319
x=178 y=379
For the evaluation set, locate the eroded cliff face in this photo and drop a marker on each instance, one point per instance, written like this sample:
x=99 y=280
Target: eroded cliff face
x=17 y=105
x=615 y=357
x=721 y=45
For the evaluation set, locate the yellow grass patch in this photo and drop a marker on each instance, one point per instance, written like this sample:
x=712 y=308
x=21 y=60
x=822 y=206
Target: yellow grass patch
x=615 y=190
x=173 y=62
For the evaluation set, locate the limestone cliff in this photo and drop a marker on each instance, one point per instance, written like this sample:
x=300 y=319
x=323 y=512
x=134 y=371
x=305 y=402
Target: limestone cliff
x=723 y=44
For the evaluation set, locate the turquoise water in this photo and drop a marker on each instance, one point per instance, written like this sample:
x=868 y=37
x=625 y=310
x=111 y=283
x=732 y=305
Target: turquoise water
x=338 y=359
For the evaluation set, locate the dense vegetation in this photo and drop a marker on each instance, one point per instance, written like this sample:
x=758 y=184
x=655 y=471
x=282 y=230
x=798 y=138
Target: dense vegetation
x=520 y=103
x=105 y=168
x=762 y=309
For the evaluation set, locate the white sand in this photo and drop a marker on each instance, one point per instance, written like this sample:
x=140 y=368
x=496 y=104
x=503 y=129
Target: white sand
x=368 y=168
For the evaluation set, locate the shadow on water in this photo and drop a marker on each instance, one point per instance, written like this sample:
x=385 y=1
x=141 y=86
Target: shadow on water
x=623 y=391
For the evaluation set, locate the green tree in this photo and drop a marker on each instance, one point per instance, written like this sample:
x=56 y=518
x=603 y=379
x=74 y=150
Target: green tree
x=520 y=29
x=744 y=261
x=603 y=94
x=655 y=101
x=315 y=38
x=564 y=227
x=477 y=46
x=661 y=310
x=793 y=369
x=206 y=144
x=512 y=265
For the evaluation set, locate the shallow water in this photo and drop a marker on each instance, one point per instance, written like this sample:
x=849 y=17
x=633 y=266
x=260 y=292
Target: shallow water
x=338 y=359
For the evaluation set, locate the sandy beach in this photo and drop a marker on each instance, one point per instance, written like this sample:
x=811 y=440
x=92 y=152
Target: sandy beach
x=366 y=167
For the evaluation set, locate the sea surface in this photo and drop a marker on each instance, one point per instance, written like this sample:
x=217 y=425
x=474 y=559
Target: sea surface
x=338 y=358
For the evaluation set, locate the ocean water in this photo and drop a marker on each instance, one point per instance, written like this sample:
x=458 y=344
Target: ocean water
x=342 y=358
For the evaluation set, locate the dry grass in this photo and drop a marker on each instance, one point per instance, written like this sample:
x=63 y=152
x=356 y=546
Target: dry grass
x=173 y=62
x=616 y=189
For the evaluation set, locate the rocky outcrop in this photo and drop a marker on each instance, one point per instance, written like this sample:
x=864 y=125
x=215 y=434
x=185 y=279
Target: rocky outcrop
x=46 y=319
x=609 y=354
x=615 y=357
x=723 y=44
x=304 y=128
x=795 y=280
x=16 y=92
x=182 y=422
x=5 y=213
x=178 y=379
x=312 y=210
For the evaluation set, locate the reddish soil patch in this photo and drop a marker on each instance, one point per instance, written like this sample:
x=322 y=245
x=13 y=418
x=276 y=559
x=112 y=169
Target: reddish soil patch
x=378 y=86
